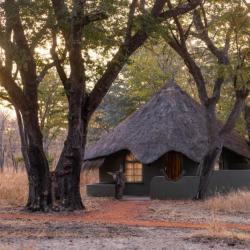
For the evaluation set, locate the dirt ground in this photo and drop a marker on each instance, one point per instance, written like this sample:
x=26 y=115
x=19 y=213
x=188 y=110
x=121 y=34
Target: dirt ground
x=127 y=224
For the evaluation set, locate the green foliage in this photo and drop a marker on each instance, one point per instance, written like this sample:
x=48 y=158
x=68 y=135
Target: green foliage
x=52 y=107
x=148 y=71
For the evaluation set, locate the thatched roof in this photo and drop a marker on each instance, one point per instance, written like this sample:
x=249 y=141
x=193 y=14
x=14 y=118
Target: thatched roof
x=170 y=121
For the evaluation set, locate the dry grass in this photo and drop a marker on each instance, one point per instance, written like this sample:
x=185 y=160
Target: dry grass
x=13 y=188
x=215 y=230
x=233 y=202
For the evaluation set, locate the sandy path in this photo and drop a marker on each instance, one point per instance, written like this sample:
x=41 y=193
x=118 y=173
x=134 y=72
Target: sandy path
x=117 y=213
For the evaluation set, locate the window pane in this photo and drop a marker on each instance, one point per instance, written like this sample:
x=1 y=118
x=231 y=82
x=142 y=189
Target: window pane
x=137 y=172
x=133 y=169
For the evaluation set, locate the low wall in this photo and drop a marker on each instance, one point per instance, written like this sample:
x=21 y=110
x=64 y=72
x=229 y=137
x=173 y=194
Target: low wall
x=220 y=181
x=228 y=180
x=184 y=188
x=100 y=190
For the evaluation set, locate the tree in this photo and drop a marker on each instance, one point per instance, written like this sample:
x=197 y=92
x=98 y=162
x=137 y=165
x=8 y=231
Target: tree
x=226 y=55
x=22 y=69
x=72 y=22
x=19 y=67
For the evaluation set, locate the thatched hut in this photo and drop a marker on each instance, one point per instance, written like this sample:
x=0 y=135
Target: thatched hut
x=165 y=137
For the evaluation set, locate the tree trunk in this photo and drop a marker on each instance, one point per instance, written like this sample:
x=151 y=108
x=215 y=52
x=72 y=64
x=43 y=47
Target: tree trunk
x=2 y=150
x=68 y=172
x=215 y=138
x=207 y=166
x=247 y=120
x=37 y=166
x=23 y=139
x=25 y=154
x=213 y=152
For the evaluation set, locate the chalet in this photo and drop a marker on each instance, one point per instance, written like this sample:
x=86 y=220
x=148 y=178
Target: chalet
x=159 y=147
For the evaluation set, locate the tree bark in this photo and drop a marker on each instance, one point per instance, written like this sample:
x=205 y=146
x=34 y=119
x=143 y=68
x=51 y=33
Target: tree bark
x=213 y=151
x=81 y=104
x=207 y=166
x=247 y=120
x=68 y=171
x=215 y=138
x=24 y=150
x=37 y=166
x=2 y=151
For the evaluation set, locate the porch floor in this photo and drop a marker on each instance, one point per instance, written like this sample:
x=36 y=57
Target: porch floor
x=135 y=198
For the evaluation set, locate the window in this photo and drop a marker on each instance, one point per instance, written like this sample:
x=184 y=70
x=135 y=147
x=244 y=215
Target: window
x=133 y=169
x=173 y=165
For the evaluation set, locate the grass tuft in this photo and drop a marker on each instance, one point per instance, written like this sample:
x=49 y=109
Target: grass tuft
x=13 y=188
x=233 y=202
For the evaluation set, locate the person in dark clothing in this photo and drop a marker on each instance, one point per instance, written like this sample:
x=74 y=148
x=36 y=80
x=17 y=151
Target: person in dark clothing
x=119 y=184
x=119 y=179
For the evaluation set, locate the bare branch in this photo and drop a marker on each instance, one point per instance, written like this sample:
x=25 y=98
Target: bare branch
x=57 y=63
x=181 y=9
x=203 y=35
x=227 y=41
x=13 y=90
x=62 y=17
x=27 y=67
x=187 y=32
x=93 y=17
x=9 y=47
x=130 y=22
x=44 y=71
x=241 y=96
x=179 y=26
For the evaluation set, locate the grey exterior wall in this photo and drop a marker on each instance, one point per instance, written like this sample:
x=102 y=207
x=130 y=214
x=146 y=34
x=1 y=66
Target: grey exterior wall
x=184 y=188
x=100 y=190
x=155 y=185
x=221 y=181
x=228 y=180
x=113 y=162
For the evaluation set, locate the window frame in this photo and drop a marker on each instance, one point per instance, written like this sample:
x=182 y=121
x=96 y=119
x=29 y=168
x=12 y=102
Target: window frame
x=133 y=163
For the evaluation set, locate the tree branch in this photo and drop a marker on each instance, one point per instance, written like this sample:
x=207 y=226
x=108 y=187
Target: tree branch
x=203 y=35
x=13 y=90
x=119 y=60
x=181 y=49
x=63 y=18
x=59 y=67
x=44 y=71
x=93 y=17
x=130 y=22
x=27 y=65
x=241 y=96
x=180 y=9
x=9 y=47
x=220 y=54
